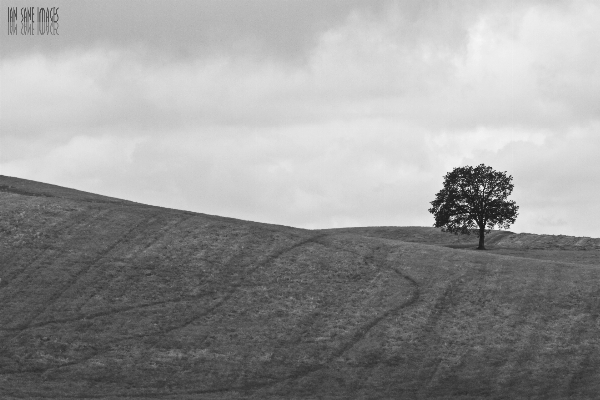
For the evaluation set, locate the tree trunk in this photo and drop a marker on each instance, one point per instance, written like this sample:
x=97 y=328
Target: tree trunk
x=481 y=238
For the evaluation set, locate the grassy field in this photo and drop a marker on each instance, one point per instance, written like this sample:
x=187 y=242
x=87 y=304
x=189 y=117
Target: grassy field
x=108 y=299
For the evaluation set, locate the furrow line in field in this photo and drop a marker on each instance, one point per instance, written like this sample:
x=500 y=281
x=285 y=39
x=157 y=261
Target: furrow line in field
x=227 y=296
x=158 y=236
x=235 y=286
x=82 y=271
x=64 y=228
x=304 y=371
x=356 y=337
x=89 y=316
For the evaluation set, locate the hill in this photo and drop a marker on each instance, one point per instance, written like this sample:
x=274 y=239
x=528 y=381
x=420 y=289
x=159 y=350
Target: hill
x=568 y=249
x=420 y=234
x=105 y=298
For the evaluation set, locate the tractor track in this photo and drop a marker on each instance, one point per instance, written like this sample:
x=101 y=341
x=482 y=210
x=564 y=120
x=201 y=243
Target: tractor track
x=98 y=314
x=82 y=271
x=228 y=294
x=19 y=329
x=92 y=315
x=299 y=373
x=157 y=237
x=64 y=228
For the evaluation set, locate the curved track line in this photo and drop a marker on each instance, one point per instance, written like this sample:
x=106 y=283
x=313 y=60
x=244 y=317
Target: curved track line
x=104 y=313
x=82 y=316
x=304 y=371
x=73 y=280
x=65 y=228
x=158 y=236
x=235 y=286
x=300 y=372
x=228 y=294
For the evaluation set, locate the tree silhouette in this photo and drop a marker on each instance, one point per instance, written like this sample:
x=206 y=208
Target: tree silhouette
x=474 y=199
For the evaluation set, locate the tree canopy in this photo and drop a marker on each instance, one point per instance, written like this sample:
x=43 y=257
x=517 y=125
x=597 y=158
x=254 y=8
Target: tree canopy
x=474 y=199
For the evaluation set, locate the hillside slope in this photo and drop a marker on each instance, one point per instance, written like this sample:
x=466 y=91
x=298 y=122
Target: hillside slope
x=102 y=298
x=560 y=248
x=494 y=240
x=421 y=234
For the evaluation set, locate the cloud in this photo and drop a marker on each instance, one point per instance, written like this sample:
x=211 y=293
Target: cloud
x=191 y=29
x=353 y=121
x=556 y=182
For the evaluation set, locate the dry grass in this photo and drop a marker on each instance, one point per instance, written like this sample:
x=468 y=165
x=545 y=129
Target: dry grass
x=109 y=299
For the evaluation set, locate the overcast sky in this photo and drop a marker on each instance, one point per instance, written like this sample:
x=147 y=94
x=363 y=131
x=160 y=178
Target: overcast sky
x=310 y=113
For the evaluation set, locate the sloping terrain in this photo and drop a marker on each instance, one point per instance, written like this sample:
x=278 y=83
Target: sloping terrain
x=494 y=240
x=421 y=234
x=561 y=248
x=548 y=242
x=103 y=298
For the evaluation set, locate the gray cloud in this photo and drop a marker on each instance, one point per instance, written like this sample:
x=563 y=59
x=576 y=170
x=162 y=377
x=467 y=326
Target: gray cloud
x=557 y=183
x=311 y=114
x=190 y=29
x=279 y=29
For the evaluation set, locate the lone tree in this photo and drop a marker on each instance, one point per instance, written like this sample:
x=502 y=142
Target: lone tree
x=474 y=198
